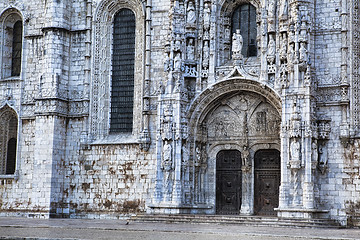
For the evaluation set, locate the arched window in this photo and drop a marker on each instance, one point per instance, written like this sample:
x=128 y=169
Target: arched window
x=8 y=140
x=122 y=80
x=244 y=18
x=16 y=49
x=11 y=32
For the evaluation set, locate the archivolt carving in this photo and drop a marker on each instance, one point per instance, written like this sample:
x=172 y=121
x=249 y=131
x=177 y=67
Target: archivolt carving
x=204 y=102
x=243 y=116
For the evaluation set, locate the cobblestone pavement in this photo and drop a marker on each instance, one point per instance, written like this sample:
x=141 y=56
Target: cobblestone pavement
x=24 y=228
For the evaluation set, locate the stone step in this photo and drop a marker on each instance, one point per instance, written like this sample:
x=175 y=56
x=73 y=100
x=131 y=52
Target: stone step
x=228 y=219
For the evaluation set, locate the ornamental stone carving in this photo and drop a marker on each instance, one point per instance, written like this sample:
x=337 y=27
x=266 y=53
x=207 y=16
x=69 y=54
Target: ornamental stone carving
x=237 y=45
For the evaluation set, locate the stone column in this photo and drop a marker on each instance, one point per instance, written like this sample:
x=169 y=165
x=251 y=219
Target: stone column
x=51 y=109
x=284 y=183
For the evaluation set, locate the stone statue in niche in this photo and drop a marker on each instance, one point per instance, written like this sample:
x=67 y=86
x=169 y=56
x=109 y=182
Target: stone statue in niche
x=295 y=154
x=167 y=163
x=206 y=54
x=177 y=44
x=185 y=157
x=291 y=57
x=167 y=167
x=227 y=34
x=271 y=50
x=207 y=12
x=283 y=9
x=302 y=53
x=283 y=48
x=323 y=159
x=167 y=63
x=190 y=50
x=271 y=8
x=246 y=162
x=191 y=15
x=167 y=123
x=314 y=154
x=177 y=62
x=237 y=45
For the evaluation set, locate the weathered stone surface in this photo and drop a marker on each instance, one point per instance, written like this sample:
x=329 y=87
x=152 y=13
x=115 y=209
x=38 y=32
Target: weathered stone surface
x=196 y=93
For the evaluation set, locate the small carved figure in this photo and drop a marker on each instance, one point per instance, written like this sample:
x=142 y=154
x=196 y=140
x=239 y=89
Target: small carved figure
x=167 y=63
x=314 y=151
x=271 y=50
x=323 y=156
x=206 y=54
x=283 y=9
x=295 y=151
x=291 y=54
x=191 y=15
x=246 y=156
x=177 y=62
x=302 y=53
x=323 y=159
x=237 y=44
x=271 y=8
x=207 y=16
x=185 y=156
x=167 y=157
x=190 y=50
x=177 y=44
x=283 y=48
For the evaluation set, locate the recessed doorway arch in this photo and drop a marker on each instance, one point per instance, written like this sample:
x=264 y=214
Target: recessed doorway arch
x=234 y=115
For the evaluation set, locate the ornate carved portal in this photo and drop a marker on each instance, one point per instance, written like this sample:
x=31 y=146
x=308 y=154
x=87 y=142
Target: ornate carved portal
x=241 y=135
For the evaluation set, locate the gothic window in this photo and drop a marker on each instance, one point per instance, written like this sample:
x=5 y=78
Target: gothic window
x=117 y=71
x=244 y=18
x=11 y=42
x=8 y=140
x=122 y=79
x=16 y=49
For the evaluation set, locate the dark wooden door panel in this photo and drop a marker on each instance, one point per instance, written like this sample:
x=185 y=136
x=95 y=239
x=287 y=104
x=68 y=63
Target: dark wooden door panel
x=267 y=182
x=228 y=182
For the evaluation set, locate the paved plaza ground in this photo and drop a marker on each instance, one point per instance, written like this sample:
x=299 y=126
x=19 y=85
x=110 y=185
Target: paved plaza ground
x=25 y=228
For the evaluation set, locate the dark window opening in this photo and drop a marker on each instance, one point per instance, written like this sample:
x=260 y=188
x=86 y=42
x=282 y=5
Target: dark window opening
x=244 y=18
x=11 y=156
x=123 y=58
x=16 y=49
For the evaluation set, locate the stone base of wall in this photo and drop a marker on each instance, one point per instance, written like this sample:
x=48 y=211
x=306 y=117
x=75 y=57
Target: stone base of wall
x=301 y=213
x=26 y=214
x=168 y=208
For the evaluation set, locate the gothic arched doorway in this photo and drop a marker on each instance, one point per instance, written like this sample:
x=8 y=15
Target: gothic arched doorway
x=267 y=181
x=236 y=117
x=228 y=182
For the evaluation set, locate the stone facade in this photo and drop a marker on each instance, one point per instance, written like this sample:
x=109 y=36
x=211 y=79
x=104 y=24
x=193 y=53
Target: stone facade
x=282 y=93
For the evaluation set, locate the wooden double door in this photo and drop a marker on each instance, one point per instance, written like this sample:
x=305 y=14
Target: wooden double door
x=229 y=182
